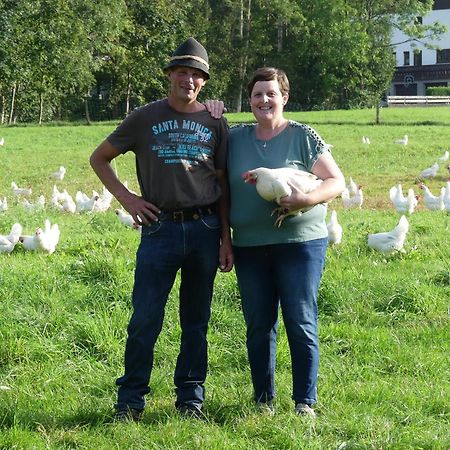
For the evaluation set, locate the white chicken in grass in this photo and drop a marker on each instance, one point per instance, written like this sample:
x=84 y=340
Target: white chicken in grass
x=20 y=190
x=445 y=156
x=57 y=195
x=126 y=219
x=49 y=237
x=3 y=204
x=104 y=201
x=85 y=203
x=354 y=201
x=403 y=141
x=401 y=203
x=334 y=229
x=31 y=242
x=67 y=204
x=433 y=202
x=8 y=242
x=447 y=196
x=2 y=141
x=273 y=184
x=365 y=140
x=390 y=242
x=31 y=207
x=352 y=187
x=429 y=172
x=59 y=174
x=43 y=240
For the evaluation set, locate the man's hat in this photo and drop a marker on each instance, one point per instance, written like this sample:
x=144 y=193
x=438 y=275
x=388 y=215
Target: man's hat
x=190 y=54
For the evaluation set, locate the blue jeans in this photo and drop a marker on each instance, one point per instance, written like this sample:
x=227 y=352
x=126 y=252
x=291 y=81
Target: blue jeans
x=166 y=247
x=287 y=275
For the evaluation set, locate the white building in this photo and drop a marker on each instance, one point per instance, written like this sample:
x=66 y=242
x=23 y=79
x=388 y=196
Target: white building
x=417 y=66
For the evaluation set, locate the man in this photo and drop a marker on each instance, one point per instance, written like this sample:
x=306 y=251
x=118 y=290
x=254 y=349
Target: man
x=181 y=167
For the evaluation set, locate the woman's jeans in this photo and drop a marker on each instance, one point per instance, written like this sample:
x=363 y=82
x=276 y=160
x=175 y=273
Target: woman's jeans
x=287 y=275
x=166 y=247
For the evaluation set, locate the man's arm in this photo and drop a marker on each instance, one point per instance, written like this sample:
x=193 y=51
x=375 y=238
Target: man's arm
x=140 y=210
x=226 y=258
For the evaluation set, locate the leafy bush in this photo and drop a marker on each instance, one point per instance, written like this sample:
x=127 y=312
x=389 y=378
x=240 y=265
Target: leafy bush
x=438 y=90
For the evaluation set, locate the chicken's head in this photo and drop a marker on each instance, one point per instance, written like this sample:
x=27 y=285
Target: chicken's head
x=249 y=177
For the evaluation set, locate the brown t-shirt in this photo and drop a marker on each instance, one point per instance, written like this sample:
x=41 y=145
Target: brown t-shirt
x=177 y=154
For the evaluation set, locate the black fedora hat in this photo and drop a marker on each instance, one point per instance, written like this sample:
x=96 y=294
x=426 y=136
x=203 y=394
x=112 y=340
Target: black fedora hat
x=190 y=54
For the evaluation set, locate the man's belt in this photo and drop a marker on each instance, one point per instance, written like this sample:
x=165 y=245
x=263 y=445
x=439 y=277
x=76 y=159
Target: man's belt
x=186 y=214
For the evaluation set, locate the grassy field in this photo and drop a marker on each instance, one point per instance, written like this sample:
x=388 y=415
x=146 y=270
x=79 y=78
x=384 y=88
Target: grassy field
x=384 y=374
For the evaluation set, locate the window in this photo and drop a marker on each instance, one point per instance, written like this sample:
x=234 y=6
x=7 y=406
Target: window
x=406 y=58
x=443 y=56
x=418 y=58
x=419 y=20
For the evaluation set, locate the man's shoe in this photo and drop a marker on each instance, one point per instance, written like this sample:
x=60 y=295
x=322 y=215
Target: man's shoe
x=128 y=415
x=191 y=410
x=265 y=408
x=302 y=409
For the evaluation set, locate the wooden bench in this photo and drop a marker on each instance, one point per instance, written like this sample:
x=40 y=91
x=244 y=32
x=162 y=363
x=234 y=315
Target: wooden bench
x=418 y=100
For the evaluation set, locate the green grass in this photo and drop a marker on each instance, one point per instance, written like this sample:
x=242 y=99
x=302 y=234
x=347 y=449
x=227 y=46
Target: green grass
x=384 y=377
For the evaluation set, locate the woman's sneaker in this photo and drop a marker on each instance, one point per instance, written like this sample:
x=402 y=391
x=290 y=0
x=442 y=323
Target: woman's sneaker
x=128 y=415
x=302 y=409
x=265 y=408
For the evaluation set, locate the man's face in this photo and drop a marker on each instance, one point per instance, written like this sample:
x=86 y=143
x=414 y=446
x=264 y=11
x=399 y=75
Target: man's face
x=186 y=83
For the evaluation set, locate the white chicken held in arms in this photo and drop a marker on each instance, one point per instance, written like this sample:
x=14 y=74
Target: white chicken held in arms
x=390 y=242
x=273 y=184
x=334 y=229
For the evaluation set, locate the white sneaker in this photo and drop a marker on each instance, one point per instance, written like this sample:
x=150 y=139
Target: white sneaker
x=302 y=409
x=265 y=408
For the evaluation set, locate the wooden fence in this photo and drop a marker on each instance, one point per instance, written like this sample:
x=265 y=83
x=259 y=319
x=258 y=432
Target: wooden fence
x=418 y=100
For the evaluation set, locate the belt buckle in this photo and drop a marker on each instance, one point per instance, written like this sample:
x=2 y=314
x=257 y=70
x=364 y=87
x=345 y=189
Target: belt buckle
x=178 y=216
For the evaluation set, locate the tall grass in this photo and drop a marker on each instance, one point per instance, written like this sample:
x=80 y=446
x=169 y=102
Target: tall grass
x=384 y=378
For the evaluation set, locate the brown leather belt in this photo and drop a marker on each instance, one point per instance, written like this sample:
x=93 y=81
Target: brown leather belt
x=183 y=215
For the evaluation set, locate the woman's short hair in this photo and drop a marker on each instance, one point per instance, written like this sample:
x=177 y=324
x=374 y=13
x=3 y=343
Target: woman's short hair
x=269 y=74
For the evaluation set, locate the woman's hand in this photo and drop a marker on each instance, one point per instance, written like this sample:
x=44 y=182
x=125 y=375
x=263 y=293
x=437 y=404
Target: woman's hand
x=296 y=200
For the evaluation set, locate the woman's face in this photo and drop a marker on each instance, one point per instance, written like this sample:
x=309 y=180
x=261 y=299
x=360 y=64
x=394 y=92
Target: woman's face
x=267 y=101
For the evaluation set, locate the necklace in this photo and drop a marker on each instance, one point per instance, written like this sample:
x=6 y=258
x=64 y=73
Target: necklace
x=274 y=132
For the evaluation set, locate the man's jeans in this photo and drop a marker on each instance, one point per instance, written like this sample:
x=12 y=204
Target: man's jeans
x=166 y=247
x=287 y=275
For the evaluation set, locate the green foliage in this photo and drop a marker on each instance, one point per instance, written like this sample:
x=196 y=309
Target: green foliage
x=55 y=54
x=383 y=320
x=438 y=90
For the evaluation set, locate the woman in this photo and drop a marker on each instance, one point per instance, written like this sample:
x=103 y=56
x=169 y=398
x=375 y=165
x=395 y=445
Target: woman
x=280 y=266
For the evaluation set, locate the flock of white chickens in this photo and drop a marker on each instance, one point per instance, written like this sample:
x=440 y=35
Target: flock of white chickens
x=45 y=239
x=271 y=184
x=390 y=242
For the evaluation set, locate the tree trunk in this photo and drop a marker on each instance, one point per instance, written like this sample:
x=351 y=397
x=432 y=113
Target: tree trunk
x=13 y=100
x=244 y=36
x=127 y=105
x=41 y=107
x=86 y=109
x=3 y=107
x=377 y=113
